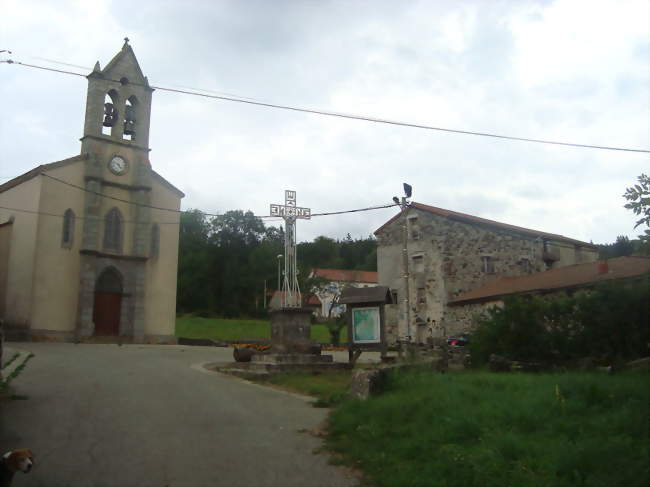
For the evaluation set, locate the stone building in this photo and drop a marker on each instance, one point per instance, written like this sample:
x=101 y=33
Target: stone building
x=87 y=245
x=569 y=279
x=449 y=254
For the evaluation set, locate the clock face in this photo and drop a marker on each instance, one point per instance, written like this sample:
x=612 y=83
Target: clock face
x=117 y=165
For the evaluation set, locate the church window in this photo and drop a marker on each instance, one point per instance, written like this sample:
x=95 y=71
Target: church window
x=110 y=112
x=68 y=229
x=113 y=231
x=130 y=118
x=155 y=241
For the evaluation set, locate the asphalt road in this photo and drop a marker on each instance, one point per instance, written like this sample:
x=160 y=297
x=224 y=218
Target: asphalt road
x=111 y=416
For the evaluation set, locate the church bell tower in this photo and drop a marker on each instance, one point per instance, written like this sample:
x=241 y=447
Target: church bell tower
x=117 y=227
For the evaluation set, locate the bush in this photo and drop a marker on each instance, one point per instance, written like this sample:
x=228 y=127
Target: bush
x=609 y=322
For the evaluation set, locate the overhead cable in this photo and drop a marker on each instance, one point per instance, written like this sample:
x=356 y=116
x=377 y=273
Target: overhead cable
x=352 y=116
x=173 y=210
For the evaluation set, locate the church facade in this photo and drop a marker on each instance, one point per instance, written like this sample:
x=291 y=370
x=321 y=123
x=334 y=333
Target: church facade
x=89 y=244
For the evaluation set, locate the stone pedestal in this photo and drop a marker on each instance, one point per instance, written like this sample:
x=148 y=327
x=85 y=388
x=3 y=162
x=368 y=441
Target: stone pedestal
x=290 y=331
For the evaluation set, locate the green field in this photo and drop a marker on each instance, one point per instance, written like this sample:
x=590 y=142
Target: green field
x=238 y=330
x=481 y=429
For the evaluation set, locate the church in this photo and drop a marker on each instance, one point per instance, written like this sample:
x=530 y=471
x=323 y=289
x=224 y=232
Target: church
x=89 y=244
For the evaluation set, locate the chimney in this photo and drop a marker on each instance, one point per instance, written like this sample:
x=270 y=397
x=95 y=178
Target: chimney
x=603 y=267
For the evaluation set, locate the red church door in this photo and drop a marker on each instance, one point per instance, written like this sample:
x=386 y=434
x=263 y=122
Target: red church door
x=108 y=303
x=106 y=313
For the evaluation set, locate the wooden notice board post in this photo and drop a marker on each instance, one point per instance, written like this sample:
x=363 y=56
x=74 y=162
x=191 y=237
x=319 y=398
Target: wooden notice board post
x=366 y=319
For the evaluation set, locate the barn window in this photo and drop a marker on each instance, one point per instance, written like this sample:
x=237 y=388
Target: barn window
x=488 y=264
x=113 y=230
x=67 y=237
x=418 y=263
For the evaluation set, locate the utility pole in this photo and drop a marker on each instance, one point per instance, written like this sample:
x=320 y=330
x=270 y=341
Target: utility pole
x=404 y=204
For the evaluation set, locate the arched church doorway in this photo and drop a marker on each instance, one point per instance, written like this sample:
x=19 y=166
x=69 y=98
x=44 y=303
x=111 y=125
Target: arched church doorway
x=108 y=303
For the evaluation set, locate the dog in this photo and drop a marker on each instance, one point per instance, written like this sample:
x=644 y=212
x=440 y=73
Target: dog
x=13 y=461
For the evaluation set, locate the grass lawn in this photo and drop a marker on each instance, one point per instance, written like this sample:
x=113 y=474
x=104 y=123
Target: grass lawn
x=238 y=330
x=481 y=429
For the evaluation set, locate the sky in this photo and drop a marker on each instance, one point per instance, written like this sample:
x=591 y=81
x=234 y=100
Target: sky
x=571 y=71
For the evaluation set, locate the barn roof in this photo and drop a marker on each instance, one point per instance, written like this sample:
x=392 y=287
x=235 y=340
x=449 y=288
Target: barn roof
x=475 y=220
x=572 y=276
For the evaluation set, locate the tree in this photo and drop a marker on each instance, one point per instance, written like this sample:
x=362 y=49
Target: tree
x=639 y=200
x=622 y=247
x=194 y=283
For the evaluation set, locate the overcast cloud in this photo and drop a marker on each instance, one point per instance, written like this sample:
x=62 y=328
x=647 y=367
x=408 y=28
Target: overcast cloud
x=575 y=71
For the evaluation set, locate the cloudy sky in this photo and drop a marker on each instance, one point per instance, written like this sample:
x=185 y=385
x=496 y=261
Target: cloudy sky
x=574 y=71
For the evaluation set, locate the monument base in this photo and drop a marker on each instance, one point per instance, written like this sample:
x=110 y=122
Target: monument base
x=292 y=349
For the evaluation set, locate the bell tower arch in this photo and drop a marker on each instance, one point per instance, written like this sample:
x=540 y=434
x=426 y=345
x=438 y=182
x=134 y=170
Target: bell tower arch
x=118 y=99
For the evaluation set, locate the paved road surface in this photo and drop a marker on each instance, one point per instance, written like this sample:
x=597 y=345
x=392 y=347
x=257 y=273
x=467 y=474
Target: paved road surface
x=141 y=416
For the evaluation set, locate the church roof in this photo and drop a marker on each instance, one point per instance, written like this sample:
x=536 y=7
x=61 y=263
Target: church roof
x=123 y=61
x=475 y=220
x=39 y=170
x=55 y=165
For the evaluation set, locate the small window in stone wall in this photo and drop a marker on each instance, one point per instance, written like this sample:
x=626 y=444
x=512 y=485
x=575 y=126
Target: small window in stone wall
x=418 y=263
x=488 y=264
x=422 y=295
x=414 y=228
x=393 y=293
x=526 y=266
x=68 y=229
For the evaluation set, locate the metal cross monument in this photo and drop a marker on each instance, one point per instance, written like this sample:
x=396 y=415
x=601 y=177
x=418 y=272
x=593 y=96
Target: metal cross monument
x=290 y=294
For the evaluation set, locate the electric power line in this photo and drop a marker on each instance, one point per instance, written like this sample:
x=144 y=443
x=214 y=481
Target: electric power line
x=350 y=116
x=268 y=218
x=77 y=217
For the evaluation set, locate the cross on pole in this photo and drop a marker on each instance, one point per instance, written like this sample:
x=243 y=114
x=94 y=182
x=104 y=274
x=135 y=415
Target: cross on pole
x=290 y=293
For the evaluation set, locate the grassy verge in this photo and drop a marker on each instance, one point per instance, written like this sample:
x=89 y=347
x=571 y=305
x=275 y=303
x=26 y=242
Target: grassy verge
x=480 y=429
x=328 y=387
x=238 y=330
x=4 y=384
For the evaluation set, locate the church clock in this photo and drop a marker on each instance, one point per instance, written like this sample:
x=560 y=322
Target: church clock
x=117 y=165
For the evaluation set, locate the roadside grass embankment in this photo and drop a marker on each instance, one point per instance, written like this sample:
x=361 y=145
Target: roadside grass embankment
x=483 y=429
x=236 y=330
x=329 y=388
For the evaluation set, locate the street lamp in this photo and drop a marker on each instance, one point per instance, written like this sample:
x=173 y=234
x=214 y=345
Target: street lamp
x=404 y=205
